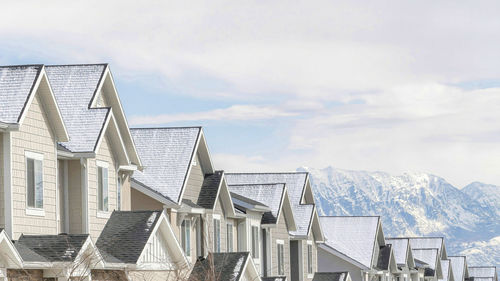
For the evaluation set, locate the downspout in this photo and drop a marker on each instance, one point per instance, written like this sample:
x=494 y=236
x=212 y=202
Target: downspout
x=85 y=194
x=7 y=183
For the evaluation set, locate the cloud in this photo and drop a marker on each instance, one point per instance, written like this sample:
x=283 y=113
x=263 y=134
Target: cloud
x=232 y=113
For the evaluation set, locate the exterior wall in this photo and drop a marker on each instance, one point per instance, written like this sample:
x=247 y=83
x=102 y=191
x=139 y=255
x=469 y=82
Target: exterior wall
x=156 y=275
x=195 y=181
x=108 y=275
x=235 y=234
x=307 y=276
x=141 y=202
x=330 y=263
x=25 y=274
x=98 y=219
x=2 y=205
x=218 y=211
x=75 y=197
x=35 y=135
x=280 y=232
x=126 y=195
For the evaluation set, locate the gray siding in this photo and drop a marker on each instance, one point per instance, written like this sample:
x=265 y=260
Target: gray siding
x=280 y=232
x=75 y=197
x=330 y=263
x=195 y=181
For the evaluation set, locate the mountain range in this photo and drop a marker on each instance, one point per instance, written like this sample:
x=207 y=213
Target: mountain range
x=417 y=204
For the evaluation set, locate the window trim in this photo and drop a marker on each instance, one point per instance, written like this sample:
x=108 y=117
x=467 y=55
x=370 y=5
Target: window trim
x=217 y=244
x=34 y=211
x=280 y=259
x=229 y=226
x=102 y=213
x=118 y=192
x=184 y=231
x=310 y=270
x=255 y=248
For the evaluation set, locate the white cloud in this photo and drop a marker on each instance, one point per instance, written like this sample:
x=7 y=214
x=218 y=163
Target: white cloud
x=232 y=113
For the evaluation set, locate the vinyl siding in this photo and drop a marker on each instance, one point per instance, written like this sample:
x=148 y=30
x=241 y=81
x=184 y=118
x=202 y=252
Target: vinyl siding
x=330 y=263
x=314 y=256
x=143 y=202
x=210 y=227
x=126 y=194
x=280 y=232
x=195 y=181
x=75 y=197
x=2 y=205
x=96 y=224
x=35 y=135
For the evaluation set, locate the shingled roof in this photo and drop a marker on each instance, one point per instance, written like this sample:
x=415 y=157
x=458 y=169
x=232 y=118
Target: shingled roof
x=209 y=190
x=166 y=154
x=269 y=195
x=16 y=85
x=429 y=243
x=50 y=248
x=125 y=235
x=458 y=265
x=447 y=271
x=428 y=256
x=384 y=257
x=74 y=87
x=226 y=266
x=400 y=248
x=330 y=276
x=483 y=273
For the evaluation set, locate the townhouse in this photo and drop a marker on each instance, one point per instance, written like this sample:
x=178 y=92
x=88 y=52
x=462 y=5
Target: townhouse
x=308 y=234
x=430 y=252
x=483 y=273
x=404 y=260
x=459 y=267
x=357 y=245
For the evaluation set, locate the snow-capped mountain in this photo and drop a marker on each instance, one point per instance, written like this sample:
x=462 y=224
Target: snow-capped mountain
x=416 y=204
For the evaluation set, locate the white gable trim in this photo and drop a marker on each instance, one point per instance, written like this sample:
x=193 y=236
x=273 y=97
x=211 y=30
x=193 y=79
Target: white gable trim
x=342 y=256
x=286 y=209
x=230 y=212
x=14 y=260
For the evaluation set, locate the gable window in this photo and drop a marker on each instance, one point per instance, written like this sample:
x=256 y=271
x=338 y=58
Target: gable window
x=281 y=258
x=217 y=235
x=229 y=238
x=102 y=186
x=309 y=257
x=186 y=237
x=255 y=242
x=34 y=180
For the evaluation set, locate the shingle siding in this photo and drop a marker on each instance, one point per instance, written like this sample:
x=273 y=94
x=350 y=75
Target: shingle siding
x=75 y=196
x=35 y=135
x=280 y=232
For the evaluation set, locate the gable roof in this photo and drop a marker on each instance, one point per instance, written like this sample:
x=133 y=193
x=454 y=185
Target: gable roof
x=210 y=189
x=458 y=265
x=295 y=183
x=166 y=155
x=430 y=256
x=11 y=257
x=125 y=235
x=243 y=204
x=447 y=271
x=429 y=242
x=226 y=266
x=269 y=195
x=482 y=272
x=400 y=249
x=384 y=257
x=352 y=236
x=50 y=248
x=331 y=276
x=18 y=86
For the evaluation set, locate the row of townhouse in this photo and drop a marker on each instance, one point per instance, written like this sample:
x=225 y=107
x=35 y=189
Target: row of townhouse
x=357 y=245
x=84 y=197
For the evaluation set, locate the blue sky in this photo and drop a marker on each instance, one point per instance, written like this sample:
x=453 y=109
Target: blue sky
x=393 y=86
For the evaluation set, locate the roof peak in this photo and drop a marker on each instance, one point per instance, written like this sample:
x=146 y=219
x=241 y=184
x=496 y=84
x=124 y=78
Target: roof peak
x=167 y=128
x=77 y=64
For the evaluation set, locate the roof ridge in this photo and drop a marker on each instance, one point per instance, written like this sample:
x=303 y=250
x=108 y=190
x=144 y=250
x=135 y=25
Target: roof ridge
x=137 y=211
x=166 y=128
x=20 y=65
x=345 y=216
x=413 y=249
x=273 y=173
x=255 y=184
x=78 y=64
x=424 y=237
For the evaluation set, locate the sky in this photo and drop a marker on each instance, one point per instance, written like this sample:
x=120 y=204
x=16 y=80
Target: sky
x=389 y=86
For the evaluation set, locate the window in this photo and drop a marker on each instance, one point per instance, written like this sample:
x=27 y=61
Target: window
x=102 y=186
x=217 y=235
x=34 y=180
x=281 y=260
x=309 y=258
x=229 y=238
x=118 y=193
x=255 y=242
x=186 y=237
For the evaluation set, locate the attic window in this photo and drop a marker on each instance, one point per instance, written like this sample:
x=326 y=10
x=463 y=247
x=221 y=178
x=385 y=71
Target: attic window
x=34 y=180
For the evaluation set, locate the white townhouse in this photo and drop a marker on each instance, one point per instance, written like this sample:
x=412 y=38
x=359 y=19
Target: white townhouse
x=429 y=252
x=308 y=235
x=356 y=244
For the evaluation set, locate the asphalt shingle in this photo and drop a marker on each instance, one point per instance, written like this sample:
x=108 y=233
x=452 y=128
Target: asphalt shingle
x=399 y=248
x=16 y=85
x=330 y=276
x=209 y=190
x=166 y=154
x=428 y=256
x=50 y=248
x=125 y=235
x=226 y=266
x=458 y=267
x=384 y=256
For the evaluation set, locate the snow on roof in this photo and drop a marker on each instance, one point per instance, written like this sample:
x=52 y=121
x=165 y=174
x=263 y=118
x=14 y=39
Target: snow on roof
x=399 y=248
x=458 y=267
x=445 y=267
x=352 y=236
x=302 y=215
x=166 y=155
x=427 y=243
x=16 y=84
x=74 y=87
x=482 y=271
x=268 y=194
x=429 y=256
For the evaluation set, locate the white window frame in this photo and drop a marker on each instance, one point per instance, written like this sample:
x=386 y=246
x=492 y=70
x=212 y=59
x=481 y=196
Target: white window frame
x=229 y=237
x=255 y=241
x=186 y=236
x=217 y=246
x=118 y=192
x=102 y=213
x=280 y=258
x=310 y=270
x=32 y=210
